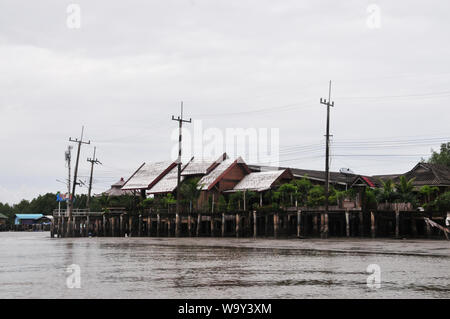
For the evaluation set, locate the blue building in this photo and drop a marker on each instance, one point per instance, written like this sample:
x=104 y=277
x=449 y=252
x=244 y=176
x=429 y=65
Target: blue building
x=27 y=219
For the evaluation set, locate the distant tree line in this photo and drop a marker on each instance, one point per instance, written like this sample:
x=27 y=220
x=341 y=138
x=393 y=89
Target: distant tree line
x=46 y=204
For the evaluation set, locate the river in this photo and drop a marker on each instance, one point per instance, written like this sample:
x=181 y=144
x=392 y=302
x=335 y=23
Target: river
x=33 y=265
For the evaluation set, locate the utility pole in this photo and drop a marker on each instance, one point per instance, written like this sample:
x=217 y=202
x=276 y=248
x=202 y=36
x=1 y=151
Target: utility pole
x=180 y=125
x=74 y=184
x=324 y=216
x=68 y=156
x=93 y=161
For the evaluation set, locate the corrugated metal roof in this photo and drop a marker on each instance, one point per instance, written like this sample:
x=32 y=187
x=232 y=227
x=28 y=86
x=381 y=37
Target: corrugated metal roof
x=202 y=166
x=3 y=216
x=258 y=181
x=148 y=175
x=335 y=177
x=167 y=184
x=207 y=181
x=29 y=216
x=197 y=167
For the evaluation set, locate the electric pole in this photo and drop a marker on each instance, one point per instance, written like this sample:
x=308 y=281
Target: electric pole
x=180 y=125
x=68 y=157
x=93 y=161
x=324 y=216
x=74 y=184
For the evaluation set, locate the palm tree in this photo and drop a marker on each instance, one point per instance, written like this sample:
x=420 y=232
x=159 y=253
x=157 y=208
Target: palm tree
x=405 y=189
x=388 y=193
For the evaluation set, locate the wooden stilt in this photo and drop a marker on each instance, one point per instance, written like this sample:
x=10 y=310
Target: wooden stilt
x=97 y=227
x=266 y=225
x=373 y=226
x=347 y=223
x=238 y=222
x=255 y=224
x=212 y=225
x=130 y=226
x=299 y=223
x=397 y=224
x=121 y=225
x=189 y=225
x=199 y=224
x=113 y=226
x=413 y=225
x=169 y=226
x=158 y=225
x=140 y=226
x=177 y=225
x=104 y=233
x=361 y=224
x=315 y=224
x=149 y=225
x=223 y=225
x=275 y=225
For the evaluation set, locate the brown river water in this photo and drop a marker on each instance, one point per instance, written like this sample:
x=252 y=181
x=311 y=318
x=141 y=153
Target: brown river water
x=33 y=265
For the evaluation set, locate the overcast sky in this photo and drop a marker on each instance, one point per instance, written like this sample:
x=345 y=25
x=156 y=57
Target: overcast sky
x=235 y=64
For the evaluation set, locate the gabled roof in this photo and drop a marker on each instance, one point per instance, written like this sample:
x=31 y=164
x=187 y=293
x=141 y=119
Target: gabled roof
x=209 y=181
x=148 y=175
x=202 y=166
x=429 y=174
x=168 y=183
x=3 y=216
x=261 y=181
x=119 y=183
x=116 y=189
x=365 y=181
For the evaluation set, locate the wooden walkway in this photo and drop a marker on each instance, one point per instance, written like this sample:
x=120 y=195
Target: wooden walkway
x=294 y=222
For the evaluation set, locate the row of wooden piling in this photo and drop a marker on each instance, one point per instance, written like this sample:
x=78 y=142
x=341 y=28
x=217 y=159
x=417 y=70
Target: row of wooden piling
x=347 y=223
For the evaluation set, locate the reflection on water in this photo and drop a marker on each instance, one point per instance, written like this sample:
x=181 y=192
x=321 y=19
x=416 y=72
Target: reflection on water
x=32 y=265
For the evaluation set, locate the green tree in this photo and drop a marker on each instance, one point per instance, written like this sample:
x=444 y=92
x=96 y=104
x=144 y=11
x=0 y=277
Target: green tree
x=441 y=203
x=316 y=196
x=190 y=192
x=442 y=157
x=285 y=194
x=387 y=194
x=370 y=198
x=427 y=192
x=303 y=186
